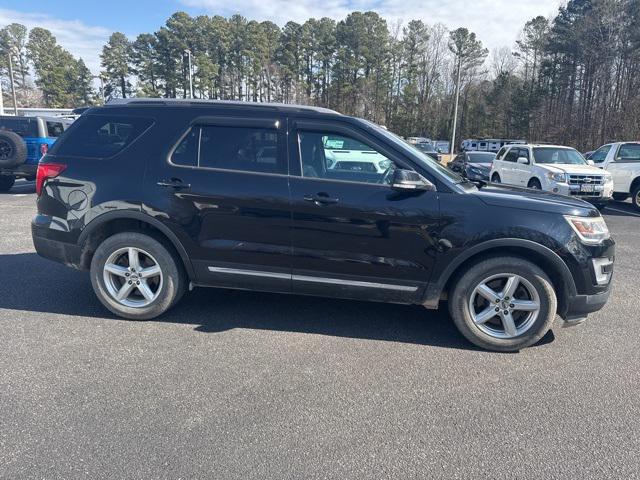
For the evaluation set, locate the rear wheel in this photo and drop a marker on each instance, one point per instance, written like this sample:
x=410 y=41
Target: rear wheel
x=136 y=276
x=503 y=304
x=6 y=182
x=495 y=178
x=635 y=197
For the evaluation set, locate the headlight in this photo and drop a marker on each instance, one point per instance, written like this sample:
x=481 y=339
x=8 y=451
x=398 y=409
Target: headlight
x=591 y=230
x=557 y=177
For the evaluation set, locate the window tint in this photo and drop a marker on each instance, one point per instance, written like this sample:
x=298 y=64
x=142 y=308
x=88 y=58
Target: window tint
x=240 y=148
x=524 y=152
x=25 y=127
x=501 y=153
x=320 y=159
x=512 y=155
x=100 y=136
x=54 y=129
x=600 y=155
x=186 y=153
x=629 y=151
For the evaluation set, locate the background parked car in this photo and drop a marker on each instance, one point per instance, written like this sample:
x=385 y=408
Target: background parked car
x=553 y=168
x=428 y=149
x=622 y=160
x=475 y=166
x=23 y=141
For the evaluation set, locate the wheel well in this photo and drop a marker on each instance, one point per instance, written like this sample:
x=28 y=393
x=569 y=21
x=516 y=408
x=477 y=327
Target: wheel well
x=547 y=266
x=634 y=184
x=119 y=225
x=532 y=179
x=495 y=174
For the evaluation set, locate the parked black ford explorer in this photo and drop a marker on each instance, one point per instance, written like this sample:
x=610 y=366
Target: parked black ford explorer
x=155 y=196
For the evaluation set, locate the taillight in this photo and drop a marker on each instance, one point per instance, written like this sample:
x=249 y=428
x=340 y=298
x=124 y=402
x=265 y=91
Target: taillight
x=47 y=171
x=44 y=148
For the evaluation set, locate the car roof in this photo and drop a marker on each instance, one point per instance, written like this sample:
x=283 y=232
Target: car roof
x=282 y=107
x=538 y=145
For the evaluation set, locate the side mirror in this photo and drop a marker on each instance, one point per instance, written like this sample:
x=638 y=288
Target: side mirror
x=410 y=180
x=523 y=160
x=591 y=162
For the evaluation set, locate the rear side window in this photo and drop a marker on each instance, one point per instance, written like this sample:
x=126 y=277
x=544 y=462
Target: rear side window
x=54 y=129
x=501 y=153
x=24 y=127
x=629 y=152
x=100 y=136
x=246 y=149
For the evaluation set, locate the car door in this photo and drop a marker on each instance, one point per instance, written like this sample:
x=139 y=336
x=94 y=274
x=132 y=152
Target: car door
x=508 y=165
x=625 y=166
x=223 y=188
x=522 y=172
x=353 y=235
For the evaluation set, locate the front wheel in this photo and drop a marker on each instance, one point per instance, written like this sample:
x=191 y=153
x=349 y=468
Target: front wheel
x=534 y=183
x=135 y=276
x=503 y=304
x=495 y=178
x=635 y=197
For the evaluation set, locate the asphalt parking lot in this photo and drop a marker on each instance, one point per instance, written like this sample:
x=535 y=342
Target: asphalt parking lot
x=246 y=385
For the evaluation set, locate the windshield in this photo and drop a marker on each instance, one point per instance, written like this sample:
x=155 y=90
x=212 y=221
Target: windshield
x=481 y=157
x=426 y=160
x=558 y=155
x=424 y=147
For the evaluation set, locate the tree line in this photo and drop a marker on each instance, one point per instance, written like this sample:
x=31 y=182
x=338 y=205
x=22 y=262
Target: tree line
x=571 y=79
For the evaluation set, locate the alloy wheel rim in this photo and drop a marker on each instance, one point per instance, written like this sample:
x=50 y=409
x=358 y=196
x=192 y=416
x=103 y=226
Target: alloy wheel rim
x=5 y=150
x=504 y=306
x=132 y=277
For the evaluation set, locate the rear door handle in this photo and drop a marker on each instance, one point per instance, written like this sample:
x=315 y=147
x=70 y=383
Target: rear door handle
x=321 y=199
x=173 y=183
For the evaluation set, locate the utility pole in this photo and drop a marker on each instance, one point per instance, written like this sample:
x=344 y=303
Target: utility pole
x=188 y=52
x=99 y=77
x=13 y=86
x=455 y=109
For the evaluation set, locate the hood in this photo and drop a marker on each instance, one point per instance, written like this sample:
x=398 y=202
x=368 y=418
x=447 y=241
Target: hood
x=571 y=169
x=515 y=197
x=481 y=166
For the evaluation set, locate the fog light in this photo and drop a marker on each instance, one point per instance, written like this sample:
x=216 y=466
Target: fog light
x=603 y=268
x=555 y=190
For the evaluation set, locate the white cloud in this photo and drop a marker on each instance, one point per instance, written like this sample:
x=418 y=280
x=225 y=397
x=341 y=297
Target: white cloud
x=496 y=22
x=82 y=40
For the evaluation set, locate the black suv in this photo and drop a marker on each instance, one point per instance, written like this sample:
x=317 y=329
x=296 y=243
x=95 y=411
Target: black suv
x=157 y=196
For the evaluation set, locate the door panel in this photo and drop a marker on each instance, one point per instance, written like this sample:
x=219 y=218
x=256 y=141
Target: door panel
x=360 y=240
x=235 y=224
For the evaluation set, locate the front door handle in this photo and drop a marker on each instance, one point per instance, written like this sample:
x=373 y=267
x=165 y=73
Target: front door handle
x=321 y=199
x=173 y=183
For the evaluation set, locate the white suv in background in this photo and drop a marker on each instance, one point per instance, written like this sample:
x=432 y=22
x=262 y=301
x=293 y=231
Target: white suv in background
x=552 y=168
x=622 y=161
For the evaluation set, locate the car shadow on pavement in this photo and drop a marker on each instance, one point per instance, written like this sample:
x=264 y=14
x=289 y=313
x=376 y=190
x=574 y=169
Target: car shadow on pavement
x=21 y=187
x=31 y=283
x=620 y=209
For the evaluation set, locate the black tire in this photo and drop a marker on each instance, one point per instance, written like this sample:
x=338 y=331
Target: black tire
x=169 y=291
x=465 y=285
x=6 y=182
x=535 y=184
x=495 y=178
x=13 y=150
x=635 y=197
x=620 y=197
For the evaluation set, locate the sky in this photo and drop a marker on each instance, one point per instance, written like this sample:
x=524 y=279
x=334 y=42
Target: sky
x=83 y=26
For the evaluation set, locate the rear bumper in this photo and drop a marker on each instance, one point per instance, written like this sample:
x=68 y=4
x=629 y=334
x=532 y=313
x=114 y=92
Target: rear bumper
x=54 y=249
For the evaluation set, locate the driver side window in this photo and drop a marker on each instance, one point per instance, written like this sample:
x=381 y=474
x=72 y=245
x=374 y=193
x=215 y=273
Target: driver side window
x=339 y=157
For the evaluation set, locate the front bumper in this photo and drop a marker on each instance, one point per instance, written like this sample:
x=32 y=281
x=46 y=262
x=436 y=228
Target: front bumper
x=582 y=305
x=601 y=194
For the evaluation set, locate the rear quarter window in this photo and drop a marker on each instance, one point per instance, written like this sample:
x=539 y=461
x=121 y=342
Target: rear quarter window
x=100 y=136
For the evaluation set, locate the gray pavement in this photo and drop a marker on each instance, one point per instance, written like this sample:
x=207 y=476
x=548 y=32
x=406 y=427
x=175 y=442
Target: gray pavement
x=245 y=385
